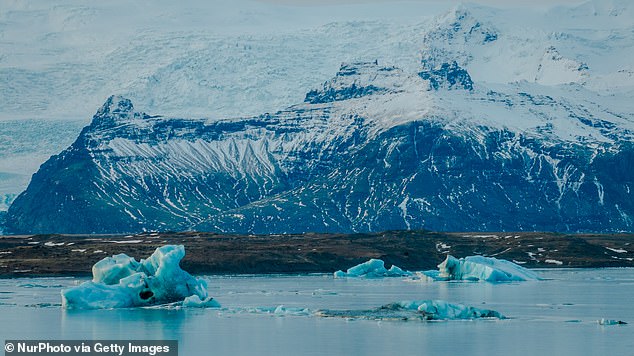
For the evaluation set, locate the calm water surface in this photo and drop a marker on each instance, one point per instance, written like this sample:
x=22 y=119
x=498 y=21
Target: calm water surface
x=557 y=316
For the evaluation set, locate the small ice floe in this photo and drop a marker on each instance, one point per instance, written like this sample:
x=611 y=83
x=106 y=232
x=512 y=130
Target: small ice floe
x=442 y=246
x=127 y=241
x=33 y=242
x=5 y=252
x=53 y=244
x=480 y=268
x=194 y=301
x=80 y=250
x=97 y=251
x=121 y=281
x=280 y=310
x=320 y=291
x=415 y=310
x=611 y=322
x=554 y=262
x=43 y=305
x=373 y=268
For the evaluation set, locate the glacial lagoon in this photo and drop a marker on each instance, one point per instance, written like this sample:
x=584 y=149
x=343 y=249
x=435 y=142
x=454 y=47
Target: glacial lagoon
x=555 y=316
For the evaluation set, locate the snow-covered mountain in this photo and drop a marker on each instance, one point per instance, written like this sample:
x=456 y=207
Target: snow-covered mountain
x=507 y=122
x=60 y=60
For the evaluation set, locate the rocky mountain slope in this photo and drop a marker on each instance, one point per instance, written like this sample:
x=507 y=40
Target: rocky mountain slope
x=489 y=132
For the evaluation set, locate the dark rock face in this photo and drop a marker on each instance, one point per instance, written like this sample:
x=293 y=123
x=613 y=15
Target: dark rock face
x=435 y=179
x=3 y=215
x=332 y=166
x=347 y=83
x=449 y=76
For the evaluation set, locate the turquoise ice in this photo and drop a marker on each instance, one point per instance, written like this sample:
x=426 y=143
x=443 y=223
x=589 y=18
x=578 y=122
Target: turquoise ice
x=122 y=282
x=373 y=268
x=480 y=268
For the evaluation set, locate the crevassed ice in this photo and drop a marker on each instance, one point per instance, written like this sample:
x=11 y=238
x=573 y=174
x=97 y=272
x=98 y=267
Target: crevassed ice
x=122 y=282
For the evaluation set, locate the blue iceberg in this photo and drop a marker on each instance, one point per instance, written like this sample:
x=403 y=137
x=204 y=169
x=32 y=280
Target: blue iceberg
x=373 y=268
x=480 y=268
x=122 y=282
x=472 y=268
x=416 y=310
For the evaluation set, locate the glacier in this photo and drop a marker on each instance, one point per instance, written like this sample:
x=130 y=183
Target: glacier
x=121 y=281
x=373 y=268
x=488 y=127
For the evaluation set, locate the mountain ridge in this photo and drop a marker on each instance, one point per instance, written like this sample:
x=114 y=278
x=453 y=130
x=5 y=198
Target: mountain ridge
x=374 y=148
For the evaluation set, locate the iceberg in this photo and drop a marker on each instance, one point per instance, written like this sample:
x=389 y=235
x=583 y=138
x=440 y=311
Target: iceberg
x=416 y=310
x=472 y=268
x=122 y=282
x=480 y=268
x=373 y=268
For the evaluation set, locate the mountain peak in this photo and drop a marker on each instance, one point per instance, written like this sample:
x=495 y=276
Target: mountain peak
x=452 y=34
x=116 y=105
x=447 y=75
x=461 y=25
x=114 y=110
x=357 y=79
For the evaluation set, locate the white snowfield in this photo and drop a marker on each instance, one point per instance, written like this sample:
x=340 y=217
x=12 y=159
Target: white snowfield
x=122 y=282
x=232 y=59
x=563 y=72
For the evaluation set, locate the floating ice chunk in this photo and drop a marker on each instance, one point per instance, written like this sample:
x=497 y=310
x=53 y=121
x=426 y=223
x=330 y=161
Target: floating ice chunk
x=428 y=276
x=373 y=268
x=442 y=310
x=479 y=268
x=194 y=301
x=279 y=310
x=415 y=310
x=122 y=282
x=282 y=310
x=611 y=322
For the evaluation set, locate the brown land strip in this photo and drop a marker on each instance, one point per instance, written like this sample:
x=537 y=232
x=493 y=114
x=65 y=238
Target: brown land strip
x=208 y=253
